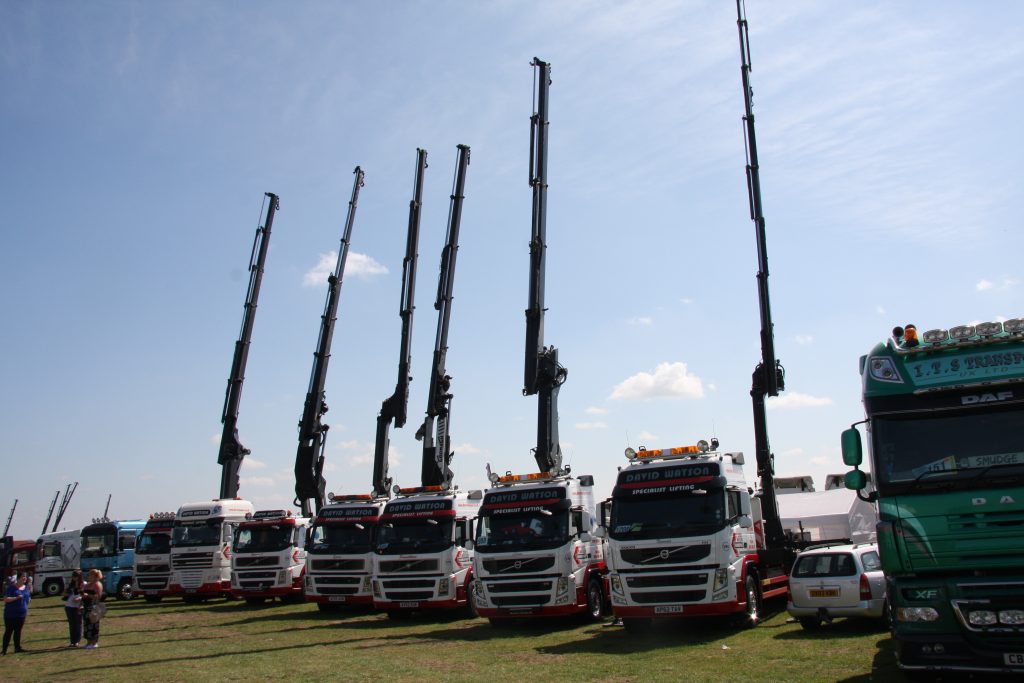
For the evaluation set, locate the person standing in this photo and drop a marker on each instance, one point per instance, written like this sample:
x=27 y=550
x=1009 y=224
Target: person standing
x=73 y=607
x=16 y=599
x=92 y=595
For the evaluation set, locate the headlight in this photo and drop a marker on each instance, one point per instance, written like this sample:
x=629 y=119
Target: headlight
x=916 y=614
x=283 y=576
x=562 y=586
x=617 y=584
x=442 y=587
x=1013 y=617
x=883 y=370
x=721 y=578
x=366 y=584
x=376 y=589
x=309 y=582
x=982 y=617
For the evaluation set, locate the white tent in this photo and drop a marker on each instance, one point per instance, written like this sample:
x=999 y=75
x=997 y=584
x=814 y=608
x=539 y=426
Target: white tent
x=831 y=515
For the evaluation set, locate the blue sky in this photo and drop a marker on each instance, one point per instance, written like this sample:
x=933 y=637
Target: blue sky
x=139 y=138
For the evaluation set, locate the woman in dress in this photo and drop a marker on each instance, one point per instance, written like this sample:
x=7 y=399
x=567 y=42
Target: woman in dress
x=92 y=595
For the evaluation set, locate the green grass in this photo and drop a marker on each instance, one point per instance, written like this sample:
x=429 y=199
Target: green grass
x=231 y=641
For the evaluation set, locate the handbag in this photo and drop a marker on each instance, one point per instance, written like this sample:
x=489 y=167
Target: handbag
x=97 y=612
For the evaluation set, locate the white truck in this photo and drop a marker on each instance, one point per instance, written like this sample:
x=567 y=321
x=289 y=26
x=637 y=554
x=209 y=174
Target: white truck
x=201 y=547
x=268 y=557
x=57 y=555
x=535 y=550
x=152 y=575
x=421 y=560
x=683 y=537
x=340 y=551
x=835 y=515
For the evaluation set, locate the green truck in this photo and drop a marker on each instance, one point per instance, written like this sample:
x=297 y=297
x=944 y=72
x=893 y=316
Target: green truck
x=945 y=425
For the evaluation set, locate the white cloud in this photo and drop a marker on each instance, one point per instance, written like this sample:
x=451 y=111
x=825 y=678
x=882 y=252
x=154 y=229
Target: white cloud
x=880 y=310
x=686 y=300
x=644 y=321
x=215 y=438
x=466 y=449
x=793 y=453
x=983 y=285
x=348 y=445
x=712 y=387
x=797 y=400
x=669 y=380
x=256 y=481
x=251 y=463
x=646 y=436
x=594 y=410
x=590 y=425
x=359 y=265
x=804 y=339
x=820 y=460
x=1001 y=286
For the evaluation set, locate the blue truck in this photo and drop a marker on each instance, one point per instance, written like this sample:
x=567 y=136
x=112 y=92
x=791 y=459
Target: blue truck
x=110 y=547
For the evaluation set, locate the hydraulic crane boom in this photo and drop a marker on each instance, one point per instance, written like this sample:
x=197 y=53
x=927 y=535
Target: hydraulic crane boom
x=436 y=454
x=396 y=407
x=769 y=375
x=231 y=449
x=543 y=374
x=309 y=459
x=49 y=514
x=69 y=491
x=10 y=516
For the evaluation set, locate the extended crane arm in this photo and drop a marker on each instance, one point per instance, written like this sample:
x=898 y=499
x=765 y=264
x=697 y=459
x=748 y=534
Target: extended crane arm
x=395 y=407
x=69 y=491
x=437 y=455
x=543 y=375
x=769 y=376
x=231 y=450
x=309 y=459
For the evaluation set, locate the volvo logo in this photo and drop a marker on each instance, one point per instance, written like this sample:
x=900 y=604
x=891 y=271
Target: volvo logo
x=518 y=564
x=664 y=553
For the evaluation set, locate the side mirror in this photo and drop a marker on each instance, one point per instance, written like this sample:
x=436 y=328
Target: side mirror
x=585 y=537
x=468 y=545
x=855 y=480
x=853 y=454
x=746 y=522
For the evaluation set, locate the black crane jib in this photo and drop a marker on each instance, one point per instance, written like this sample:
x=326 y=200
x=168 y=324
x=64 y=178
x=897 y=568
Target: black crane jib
x=231 y=450
x=396 y=407
x=309 y=459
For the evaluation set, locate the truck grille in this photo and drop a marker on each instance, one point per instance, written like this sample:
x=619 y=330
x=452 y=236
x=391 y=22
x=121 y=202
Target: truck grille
x=337 y=585
x=519 y=587
x=409 y=595
x=152 y=569
x=526 y=564
x=667 y=596
x=255 y=561
x=667 y=580
x=678 y=554
x=152 y=583
x=520 y=600
x=192 y=561
x=191 y=578
x=410 y=583
x=399 y=566
x=336 y=565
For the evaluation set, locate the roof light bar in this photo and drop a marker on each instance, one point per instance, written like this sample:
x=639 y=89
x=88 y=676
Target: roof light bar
x=1014 y=326
x=936 y=336
x=962 y=332
x=989 y=329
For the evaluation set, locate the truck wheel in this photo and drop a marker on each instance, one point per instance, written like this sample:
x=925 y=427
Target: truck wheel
x=810 y=623
x=753 y=613
x=471 y=612
x=595 y=600
x=124 y=590
x=52 y=587
x=153 y=598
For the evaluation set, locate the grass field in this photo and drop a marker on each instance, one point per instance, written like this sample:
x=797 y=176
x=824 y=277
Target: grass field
x=231 y=641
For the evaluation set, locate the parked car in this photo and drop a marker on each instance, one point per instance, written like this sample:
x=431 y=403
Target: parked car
x=837 y=581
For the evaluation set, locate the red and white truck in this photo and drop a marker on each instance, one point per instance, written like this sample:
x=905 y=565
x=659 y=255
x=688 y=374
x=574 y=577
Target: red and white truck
x=684 y=537
x=340 y=551
x=201 y=547
x=268 y=558
x=152 y=573
x=535 y=552
x=422 y=560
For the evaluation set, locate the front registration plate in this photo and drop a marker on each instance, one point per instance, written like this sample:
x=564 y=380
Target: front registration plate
x=824 y=593
x=337 y=598
x=668 y=609
x=1013 y=659
x=408 y=605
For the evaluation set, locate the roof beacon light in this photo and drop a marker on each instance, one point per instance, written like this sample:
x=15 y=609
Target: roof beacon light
x=910 y=336
x=935 y=336
x=703 y=446
x=630 y=454
x=989 y=329
x=1014 y=326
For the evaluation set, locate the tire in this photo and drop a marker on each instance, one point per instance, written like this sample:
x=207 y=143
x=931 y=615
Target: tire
x=471 y=612
x=752 y=616
x=810 y=623
x=53 y=587
x=153 y=598
x=885 y=621
x=595 y=600
x=636 y=625
x=124 y=590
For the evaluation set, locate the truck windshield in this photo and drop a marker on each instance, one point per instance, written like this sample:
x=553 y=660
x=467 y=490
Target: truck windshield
x=420 y=536
x=151 y=543
x=265 y=538
x=961 y=448
x=690 y=513
x=99 y=542
x=522 y=531
x=341 y=539
x=198 y=533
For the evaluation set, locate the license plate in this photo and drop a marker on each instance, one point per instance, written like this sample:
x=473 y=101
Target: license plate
x=191 y=590
x=152 y=592
x=408 y=605
x=824 y=593
x=668 y=609
x=337 y=598
x=1013 y=659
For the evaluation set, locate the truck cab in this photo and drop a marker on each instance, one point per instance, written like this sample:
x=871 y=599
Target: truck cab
x=535 y=551
x=422 y=559
x=109 y=545
x=57 y=555
x=269 y=556
x=153 y=558
x=17 y=556
x=683 y=537
x=340 y=551
x=201 y=547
